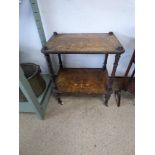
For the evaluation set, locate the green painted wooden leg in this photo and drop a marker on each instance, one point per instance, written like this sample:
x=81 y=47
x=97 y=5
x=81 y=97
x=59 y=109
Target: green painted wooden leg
x=29 y=94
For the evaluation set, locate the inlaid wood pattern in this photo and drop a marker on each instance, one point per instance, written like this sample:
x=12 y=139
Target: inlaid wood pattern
x=83 y=43
x=88 y=81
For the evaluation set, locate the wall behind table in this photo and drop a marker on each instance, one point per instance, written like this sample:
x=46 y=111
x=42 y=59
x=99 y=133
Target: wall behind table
x=29 y=41
x=78 y=16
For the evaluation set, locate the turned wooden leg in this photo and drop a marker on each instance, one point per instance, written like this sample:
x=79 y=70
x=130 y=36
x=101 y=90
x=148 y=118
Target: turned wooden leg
x=60 y=61
x=118 y=97
x=55 y=91
x=59 y=99
x=105 y=62
x=57 y=96
x=50 y=67
x=117 y=57
x=106 y=98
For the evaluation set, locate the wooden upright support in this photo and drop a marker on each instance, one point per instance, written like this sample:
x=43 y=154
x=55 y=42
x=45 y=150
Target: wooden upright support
x=29 y=94
x=37 y=17
x=60 y=61
x=49 y=63
x=105 y=61
x=117 y=57
x=130 y=64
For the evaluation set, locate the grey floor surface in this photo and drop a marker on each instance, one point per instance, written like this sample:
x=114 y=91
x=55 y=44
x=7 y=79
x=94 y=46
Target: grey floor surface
x=82 y=126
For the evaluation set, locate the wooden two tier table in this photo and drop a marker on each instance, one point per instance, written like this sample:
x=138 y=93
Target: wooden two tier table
x=91 y=81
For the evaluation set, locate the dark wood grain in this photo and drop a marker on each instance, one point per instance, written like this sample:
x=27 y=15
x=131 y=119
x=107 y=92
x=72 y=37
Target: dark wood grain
x=89 y=81
x=83 y=80
x=84 y=43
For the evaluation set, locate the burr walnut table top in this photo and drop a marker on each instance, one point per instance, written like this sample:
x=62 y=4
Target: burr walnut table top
x=83 y=43
x=81 y=80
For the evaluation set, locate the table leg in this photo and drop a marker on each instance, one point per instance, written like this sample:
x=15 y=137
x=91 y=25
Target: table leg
x=49 y=63
x=105 y=61
x=60 y=61
x=109 y=87
x=118 y=97
x=106 y=98
x=55 y=91
x=117 y=57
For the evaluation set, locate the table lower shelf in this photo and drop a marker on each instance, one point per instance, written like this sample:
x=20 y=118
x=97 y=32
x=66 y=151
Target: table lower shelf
x=81 y=80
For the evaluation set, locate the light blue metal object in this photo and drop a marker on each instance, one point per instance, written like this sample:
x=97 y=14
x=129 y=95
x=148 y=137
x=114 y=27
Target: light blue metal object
x=29 y=94
x=38 y=21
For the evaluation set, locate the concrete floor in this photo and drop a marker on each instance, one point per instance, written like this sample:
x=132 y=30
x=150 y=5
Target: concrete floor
x=82 y=126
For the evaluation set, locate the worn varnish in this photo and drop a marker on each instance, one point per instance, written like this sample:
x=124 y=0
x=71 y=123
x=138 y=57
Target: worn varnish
x=84 y=43
x=88 y=81
x=83 y=80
